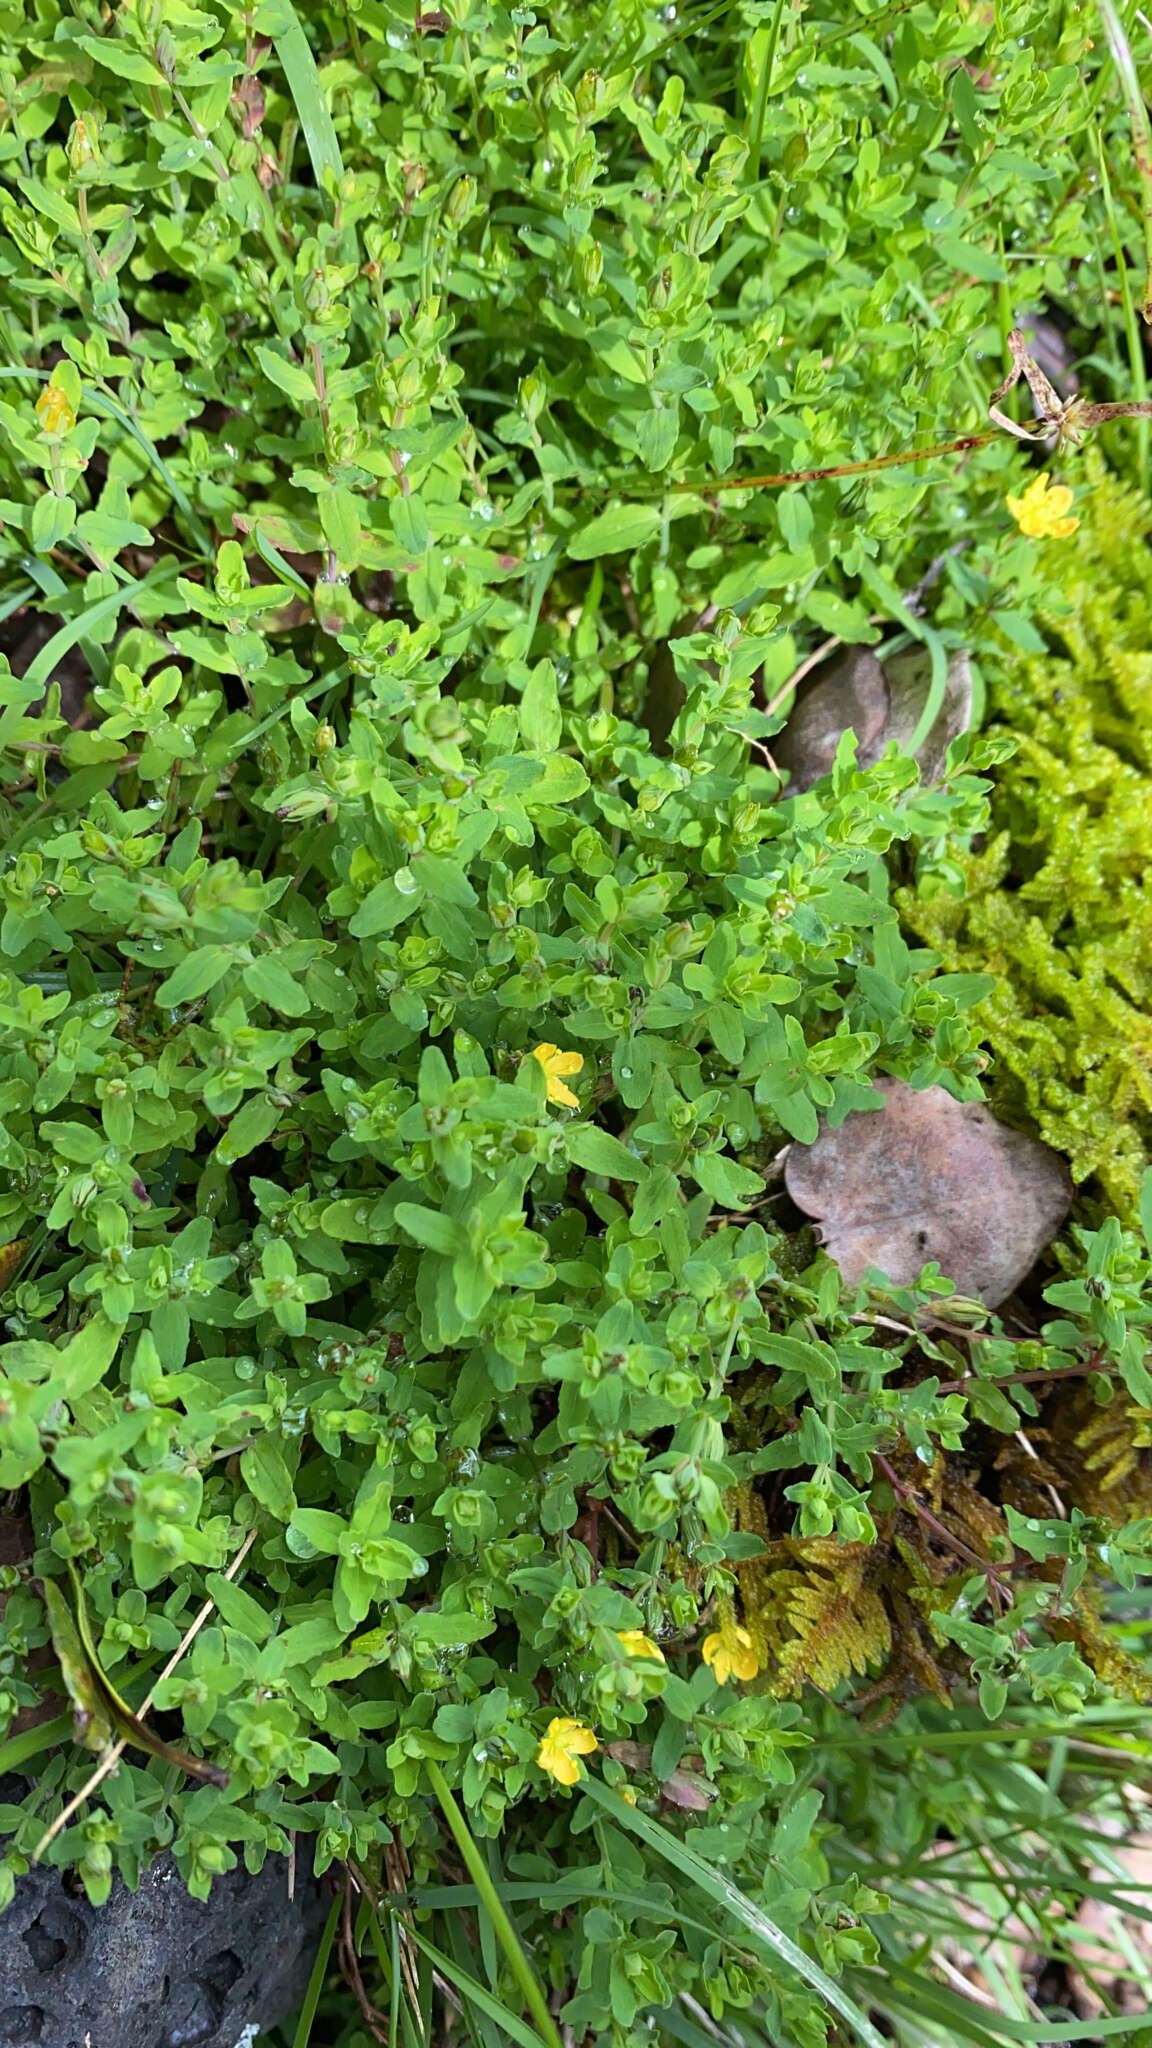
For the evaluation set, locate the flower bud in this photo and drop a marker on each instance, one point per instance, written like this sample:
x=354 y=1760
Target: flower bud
x=794 y=153
x=533 y=398
x=592 y=266
x=589 y=93
x=83 y=145
x=53 y=410
x=461 y=200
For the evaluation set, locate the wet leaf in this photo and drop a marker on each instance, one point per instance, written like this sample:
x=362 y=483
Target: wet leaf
x=929 y=1178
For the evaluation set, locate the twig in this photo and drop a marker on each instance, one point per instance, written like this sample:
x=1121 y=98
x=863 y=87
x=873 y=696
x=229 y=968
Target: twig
x=350 y=1964
x=809 y=662
x=112 y=1756
x=909 y=1498
x=1023 y=1379
x=709 y=485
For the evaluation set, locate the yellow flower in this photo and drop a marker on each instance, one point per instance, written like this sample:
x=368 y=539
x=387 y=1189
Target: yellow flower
x=54 y=412
x=555 y=1063
x=564 y=1742
x=637 y=1644
x=1041 y=513
x=729 y=1653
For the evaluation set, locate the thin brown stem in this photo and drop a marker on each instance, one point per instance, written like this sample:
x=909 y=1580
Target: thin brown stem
x=908 y=1498
x=1023 y=1379
x=814 y=476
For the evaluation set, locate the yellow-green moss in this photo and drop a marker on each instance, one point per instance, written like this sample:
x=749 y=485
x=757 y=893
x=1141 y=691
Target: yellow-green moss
x=1058 y=902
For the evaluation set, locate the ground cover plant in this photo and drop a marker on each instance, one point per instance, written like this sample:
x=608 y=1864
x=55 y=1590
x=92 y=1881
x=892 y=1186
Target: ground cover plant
x=414 y=964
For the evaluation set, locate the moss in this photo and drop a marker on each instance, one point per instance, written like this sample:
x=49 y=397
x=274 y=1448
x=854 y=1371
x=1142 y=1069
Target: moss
x=1058 y=903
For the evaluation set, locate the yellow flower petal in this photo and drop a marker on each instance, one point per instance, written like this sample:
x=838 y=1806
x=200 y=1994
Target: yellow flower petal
x=555 y=1063
x=637 y=1644
x=1040 y=511
x=54 y=412
x=729 y=1654
x=565 y=1740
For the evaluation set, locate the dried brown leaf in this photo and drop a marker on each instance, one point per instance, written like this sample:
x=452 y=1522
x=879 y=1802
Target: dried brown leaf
x=930 y=1178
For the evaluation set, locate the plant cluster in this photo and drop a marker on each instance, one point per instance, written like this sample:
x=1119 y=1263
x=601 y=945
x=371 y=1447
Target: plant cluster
x=396 y=1037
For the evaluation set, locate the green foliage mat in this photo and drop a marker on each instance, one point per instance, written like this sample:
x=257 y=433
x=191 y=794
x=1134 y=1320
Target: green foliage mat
x=396 y=1042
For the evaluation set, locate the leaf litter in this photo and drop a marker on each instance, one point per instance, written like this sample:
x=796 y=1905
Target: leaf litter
x=927 y=1178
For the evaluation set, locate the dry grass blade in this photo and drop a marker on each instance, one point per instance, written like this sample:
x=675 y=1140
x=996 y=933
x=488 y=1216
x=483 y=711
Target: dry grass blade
x=113 y=1754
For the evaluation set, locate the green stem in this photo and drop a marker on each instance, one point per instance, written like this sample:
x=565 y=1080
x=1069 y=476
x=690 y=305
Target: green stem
x=1132 y=331
x=502 y=1926
x=763 y=85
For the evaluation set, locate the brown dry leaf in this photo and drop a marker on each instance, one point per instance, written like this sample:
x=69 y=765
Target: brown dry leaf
x=686 y=1787
x=927 y=1178
x=12 y=1257
x=879 y=703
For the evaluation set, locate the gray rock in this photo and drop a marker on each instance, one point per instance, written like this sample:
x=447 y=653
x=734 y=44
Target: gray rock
x=879 y=704
x=155 y=1968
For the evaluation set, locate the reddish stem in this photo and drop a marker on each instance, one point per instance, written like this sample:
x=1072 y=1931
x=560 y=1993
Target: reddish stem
x=814 y=476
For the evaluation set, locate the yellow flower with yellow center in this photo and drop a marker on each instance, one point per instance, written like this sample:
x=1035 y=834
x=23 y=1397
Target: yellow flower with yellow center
x=563 y=1743
x=637 y=1644
x=1042 y=512
x=729 y=1653
x=54 y=412
x=555 y=1064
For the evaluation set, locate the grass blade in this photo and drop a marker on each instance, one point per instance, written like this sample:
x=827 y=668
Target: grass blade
x=502 y=1926
x=1141 y=129
x=306 y=2021
x=40 y=672
x=20 y=1748
x=469 y=1987
x=52 y=584
x=303 y=80
x=969 y=2022
x=103 y=403
x=770 y=1937
x=1132 y=332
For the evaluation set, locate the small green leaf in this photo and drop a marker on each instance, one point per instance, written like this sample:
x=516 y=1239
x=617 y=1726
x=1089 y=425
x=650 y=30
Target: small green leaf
x=428 y=1227
x=290 y=378
x=599 y=1152
x=253 y=1122
x=615 y=532
x=266 y=1475
x=728 y=1183
x=195 y=976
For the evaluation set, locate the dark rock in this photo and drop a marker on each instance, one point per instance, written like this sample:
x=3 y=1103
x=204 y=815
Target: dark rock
x=155 y=1968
